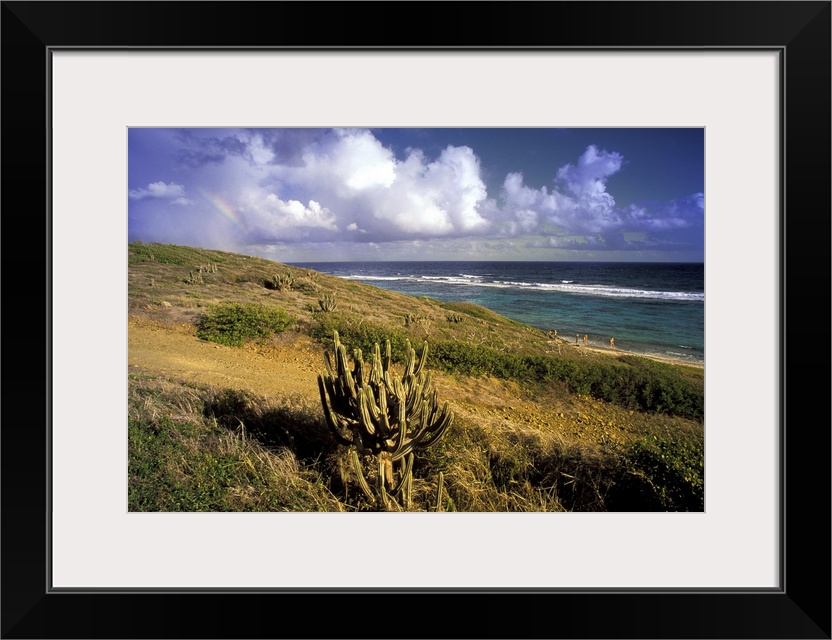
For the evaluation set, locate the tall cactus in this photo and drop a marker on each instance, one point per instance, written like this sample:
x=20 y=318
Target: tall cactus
x=380 y=414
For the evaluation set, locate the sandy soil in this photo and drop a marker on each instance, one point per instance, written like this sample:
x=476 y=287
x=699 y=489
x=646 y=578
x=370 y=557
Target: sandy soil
x=289 y=367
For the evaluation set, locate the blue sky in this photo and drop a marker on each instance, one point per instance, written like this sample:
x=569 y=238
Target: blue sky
x=298 y=195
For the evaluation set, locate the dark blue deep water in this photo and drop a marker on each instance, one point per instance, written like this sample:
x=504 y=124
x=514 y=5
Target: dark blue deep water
x=649 y=308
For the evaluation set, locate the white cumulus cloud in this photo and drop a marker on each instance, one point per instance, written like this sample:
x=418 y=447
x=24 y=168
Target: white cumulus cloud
x=271 y=218
x=169 y=191
x=578 y=203
x=364 y=184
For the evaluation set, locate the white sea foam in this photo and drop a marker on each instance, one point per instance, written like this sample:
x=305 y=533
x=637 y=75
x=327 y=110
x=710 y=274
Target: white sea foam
x=380 y=278
x=678 y=355
x=565 y=286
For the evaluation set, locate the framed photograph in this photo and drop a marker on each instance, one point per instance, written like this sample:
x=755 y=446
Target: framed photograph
x=88 y=84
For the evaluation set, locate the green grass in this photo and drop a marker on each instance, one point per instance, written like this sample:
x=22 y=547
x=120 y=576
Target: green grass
x=139 y=252
x=359 y=335
x=183 y=458
x=629 y=382
x=662 y=474
x=232 y=324
x=478 y=312
x=196 y=448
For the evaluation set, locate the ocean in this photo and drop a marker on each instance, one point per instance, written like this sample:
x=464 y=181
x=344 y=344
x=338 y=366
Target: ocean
x=649 y=308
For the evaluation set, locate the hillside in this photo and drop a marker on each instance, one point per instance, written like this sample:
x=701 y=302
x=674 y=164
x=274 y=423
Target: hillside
x=539 y=424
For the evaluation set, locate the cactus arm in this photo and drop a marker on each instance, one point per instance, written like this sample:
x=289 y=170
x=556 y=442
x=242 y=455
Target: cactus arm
x=401 y=422
x=443 y=421
x=382 y=405
x=409 y=395
x=358 y=372
x=422 y=358
x=339 y=427
x=381 y=482
x=362 y=481
x=398 y=389
x=378 y=373
x=371 y=403
x=401 y=440
x=408 y=492
x=430 y=437
x=332 y=418
x=410 y=362
x=386 y=465
x=388 y=356
x=339 y=400
x=398 y=455
x=406 y=475
x=366 y=417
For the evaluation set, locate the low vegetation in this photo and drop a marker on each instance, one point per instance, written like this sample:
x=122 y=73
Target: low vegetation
x=629 y=381
x=202 y=449
x=197 y=448
x=610 y=432
x=233 y=323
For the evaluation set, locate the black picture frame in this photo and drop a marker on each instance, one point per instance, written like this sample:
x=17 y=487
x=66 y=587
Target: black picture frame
x=800 y=608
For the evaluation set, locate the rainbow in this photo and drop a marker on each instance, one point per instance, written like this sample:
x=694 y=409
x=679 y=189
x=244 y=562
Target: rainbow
x=222 y=206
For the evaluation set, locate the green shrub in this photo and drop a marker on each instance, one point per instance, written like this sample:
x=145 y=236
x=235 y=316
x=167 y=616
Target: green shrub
x=232 y=324
x=631 y=382
x=473 y=360
x=634 y=384
x=661 y=474
x=663 y=388
x=359 y=335
x=478 y=312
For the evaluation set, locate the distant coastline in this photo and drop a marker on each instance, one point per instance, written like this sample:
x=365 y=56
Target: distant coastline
x=651 y=309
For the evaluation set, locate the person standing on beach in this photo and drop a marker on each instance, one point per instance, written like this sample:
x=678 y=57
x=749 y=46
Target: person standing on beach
x=612 y=343
x=577 y=337
x=586 y=340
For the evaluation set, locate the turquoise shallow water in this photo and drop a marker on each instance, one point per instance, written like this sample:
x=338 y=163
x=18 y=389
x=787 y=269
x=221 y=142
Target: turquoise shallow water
x=649 y=308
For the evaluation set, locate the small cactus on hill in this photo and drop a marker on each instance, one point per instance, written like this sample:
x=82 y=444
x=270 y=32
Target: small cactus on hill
x=328 y=302
x=412 y=318
x=281 y=281
x=194 y=278
x=376 y=413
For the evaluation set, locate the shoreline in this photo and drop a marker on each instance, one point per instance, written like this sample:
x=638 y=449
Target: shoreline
x=616 y=352
x=522 y=300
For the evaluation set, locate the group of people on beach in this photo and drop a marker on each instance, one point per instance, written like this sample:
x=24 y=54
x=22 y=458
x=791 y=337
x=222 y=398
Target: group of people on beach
x=553 y=335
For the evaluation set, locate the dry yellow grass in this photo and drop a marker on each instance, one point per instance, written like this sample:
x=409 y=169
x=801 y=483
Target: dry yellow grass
x=514 y=446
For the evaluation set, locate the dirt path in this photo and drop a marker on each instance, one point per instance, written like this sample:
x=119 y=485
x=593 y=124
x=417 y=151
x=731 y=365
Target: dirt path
x=287 y=368
x=290 y=366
